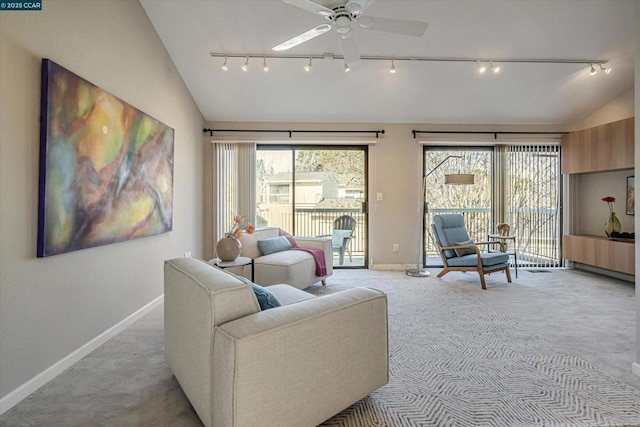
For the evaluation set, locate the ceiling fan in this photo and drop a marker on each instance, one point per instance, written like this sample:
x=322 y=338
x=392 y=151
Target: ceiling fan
x=343 y=13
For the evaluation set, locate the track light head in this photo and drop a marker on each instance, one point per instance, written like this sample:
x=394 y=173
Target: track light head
x=307 y=67
x=592 y=70
x=224 y=65
x=346 y=68
x=494 y=68
x=393 y=67
x=481 y=67
x=607 y=70
x=265 y=67
x=245 y=66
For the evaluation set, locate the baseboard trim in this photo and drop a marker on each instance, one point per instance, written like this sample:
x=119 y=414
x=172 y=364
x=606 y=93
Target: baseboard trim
x=16 y=396
x=635 y=368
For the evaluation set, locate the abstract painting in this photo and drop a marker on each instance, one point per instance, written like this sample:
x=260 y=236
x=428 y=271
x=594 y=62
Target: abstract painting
x=106 y=168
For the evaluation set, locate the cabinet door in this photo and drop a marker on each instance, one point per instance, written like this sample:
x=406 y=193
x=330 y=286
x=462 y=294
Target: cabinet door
x=598 y=149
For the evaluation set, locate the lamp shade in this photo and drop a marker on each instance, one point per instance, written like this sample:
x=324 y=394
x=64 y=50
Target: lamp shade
x=459 y=179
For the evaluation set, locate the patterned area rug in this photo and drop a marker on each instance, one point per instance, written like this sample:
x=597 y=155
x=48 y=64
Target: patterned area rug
x=455 y=363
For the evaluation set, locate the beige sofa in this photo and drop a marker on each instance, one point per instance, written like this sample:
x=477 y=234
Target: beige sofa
x=295 y=268
x=293 y=365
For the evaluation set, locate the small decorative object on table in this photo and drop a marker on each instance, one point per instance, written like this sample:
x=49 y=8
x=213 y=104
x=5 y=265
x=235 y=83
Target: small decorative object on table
x=228 y=248
x=612 y=223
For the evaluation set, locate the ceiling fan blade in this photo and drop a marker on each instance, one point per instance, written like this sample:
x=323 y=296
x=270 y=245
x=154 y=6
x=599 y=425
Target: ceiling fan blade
x=356 y=7
x=349 y=49
x=397 y=26
x=295 y=41
x=310 y=6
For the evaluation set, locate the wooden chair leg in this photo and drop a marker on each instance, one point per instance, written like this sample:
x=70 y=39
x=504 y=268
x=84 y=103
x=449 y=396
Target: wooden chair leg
x=508 y=275
x=484 y=285
x=443 y=272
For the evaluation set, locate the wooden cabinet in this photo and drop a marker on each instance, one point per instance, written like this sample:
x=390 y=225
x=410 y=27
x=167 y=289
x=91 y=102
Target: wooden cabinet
x=599 y=252
x=599 y=149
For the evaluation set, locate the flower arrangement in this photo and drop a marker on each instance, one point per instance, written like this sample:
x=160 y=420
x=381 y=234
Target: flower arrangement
x=239 y=225
x=610 y=201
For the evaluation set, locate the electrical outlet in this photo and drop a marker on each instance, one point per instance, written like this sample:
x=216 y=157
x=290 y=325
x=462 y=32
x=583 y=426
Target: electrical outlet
x=187 y=254
x=396 y=248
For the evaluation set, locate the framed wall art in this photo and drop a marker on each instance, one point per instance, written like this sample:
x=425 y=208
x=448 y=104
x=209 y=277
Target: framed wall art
x=106 y=168
x=631 y=196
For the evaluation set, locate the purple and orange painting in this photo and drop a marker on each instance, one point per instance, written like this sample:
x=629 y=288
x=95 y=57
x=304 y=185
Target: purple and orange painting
x=106 y=168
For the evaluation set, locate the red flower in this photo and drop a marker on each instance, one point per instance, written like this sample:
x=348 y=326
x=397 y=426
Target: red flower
x=609 y=200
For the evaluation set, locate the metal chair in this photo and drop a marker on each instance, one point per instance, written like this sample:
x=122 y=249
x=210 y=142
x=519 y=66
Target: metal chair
x=460 y=253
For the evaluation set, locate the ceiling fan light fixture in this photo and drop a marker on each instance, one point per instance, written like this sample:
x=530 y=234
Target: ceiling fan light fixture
x=592 y=70
x=494 y=68
x=393 y=67
x=245 y=66
x=265 y=67
x=481 y=68
x=224 y=65
x=607 y=70
x=342 y=24
x=354 y=8
x=307 y=67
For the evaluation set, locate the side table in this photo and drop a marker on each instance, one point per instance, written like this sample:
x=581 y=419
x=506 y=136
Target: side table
x=239 y=262
x=505 y=240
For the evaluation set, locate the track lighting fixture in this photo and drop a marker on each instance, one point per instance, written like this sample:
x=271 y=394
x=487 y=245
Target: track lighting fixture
x=481 y=67
x=607 y=70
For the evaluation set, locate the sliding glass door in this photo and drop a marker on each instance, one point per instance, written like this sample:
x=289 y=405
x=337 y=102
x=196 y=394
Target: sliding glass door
x=515 y=184
x=314 y=191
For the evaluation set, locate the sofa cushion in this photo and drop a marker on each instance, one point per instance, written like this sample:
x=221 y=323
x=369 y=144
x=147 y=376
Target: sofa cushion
x=292 y=267
x=289 y=295
x=273 y=245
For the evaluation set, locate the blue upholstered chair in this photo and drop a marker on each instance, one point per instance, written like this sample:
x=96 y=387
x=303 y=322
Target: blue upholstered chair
x=460 y=253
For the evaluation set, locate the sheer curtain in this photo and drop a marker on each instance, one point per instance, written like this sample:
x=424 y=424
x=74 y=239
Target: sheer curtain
x=235 y=183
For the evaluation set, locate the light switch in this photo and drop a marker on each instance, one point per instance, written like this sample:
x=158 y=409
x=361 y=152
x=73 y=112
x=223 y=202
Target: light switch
x=379 y=197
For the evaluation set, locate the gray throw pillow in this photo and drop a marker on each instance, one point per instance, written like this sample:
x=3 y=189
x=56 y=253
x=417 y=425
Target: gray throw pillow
x=463 y=251
x=273 y=245
x=265 y=298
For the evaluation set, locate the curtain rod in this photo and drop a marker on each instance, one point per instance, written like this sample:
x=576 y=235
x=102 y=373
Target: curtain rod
x=494 y=133
x=291 y=132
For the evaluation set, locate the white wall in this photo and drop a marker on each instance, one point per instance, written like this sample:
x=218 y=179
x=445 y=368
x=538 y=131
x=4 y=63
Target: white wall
x=52 y=306
x=636 y=365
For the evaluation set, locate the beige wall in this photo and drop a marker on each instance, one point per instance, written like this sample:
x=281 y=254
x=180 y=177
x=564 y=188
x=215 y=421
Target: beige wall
x=52 y=306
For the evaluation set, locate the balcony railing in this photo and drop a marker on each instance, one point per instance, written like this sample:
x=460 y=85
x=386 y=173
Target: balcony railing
x=536 y=230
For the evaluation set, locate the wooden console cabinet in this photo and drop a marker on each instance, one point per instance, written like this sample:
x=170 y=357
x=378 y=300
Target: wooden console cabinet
x=602 y=148
x=600 y=252
x=605 y=148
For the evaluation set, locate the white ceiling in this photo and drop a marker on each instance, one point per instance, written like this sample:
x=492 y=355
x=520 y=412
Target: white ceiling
x=420 y=92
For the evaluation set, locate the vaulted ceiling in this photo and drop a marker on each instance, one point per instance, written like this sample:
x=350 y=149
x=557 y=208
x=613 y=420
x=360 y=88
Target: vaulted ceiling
x=419 y=92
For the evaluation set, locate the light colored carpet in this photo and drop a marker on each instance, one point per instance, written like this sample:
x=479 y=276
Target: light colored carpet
x=455 y=362
x=513 y=355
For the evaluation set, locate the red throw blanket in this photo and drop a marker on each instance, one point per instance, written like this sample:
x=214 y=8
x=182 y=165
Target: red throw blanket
x=318 y=254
